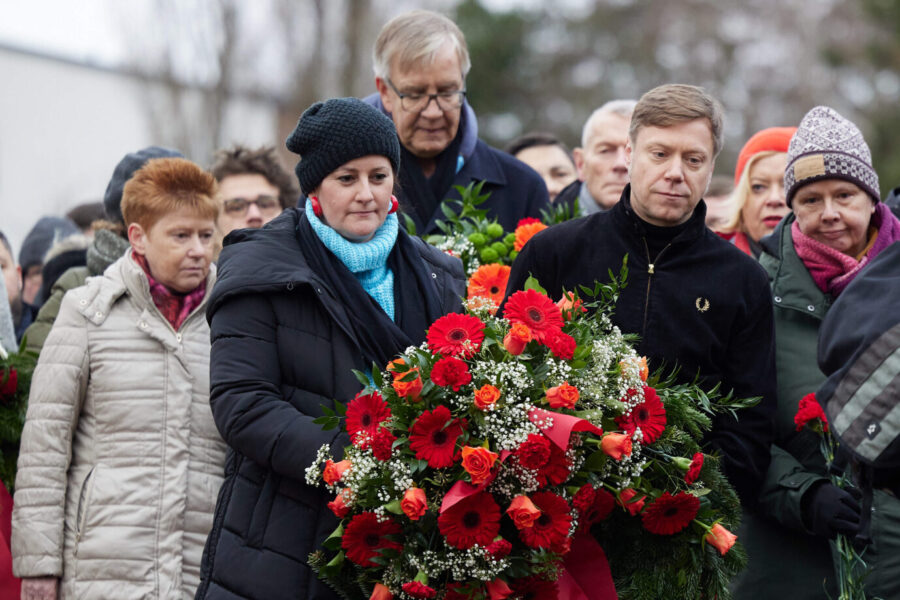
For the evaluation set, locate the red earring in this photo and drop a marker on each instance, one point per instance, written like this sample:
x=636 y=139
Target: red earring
x=394 y=204
x=317 y=208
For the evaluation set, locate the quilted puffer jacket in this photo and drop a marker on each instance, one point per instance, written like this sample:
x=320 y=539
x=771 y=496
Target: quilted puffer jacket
x=120 y=460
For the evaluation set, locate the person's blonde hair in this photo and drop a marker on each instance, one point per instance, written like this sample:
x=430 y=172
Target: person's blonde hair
x=415 y=38
x=675 y=103
x=741 y=193
x=165 y=185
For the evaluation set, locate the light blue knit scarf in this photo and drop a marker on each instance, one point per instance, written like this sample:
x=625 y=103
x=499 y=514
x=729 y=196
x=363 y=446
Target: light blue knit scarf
x=366 y=260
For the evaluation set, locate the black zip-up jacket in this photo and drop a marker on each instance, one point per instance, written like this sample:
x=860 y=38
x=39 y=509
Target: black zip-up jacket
x=701 y=304
x=282 y=347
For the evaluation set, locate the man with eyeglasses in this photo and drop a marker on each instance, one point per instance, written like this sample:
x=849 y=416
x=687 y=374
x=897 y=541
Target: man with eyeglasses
x=253 y=187
x=421 y=61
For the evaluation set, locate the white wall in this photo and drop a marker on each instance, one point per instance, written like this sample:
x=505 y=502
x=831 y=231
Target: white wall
x=63 y=128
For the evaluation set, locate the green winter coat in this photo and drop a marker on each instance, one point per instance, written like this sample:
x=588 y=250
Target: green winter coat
x=784 y=557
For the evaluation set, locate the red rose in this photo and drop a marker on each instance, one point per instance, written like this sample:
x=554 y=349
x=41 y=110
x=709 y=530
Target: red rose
x=339 y=505
x=478 y=463
x=626 y=501
x=497 y=589
x=410 y=390
x=720 y=538
x=518 y=337
x=451 y=372
x=334 y=471
x=381 y=592
x=562 y=396
x=414 y=504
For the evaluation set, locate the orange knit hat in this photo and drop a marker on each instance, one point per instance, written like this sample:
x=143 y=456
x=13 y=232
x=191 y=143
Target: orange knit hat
x=773 y=139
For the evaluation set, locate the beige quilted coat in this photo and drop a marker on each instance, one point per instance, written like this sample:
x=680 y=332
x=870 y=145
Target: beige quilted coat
x=120 y=461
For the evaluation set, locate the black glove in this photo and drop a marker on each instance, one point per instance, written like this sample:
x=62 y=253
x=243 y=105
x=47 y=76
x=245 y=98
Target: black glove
x=828 y=510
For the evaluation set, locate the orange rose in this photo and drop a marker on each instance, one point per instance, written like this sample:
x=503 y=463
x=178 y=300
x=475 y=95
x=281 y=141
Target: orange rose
x=525 y=233
x=523 y=512
x=720 y=538
x=498 y=590
x=397 y=367
x=410 y=390
x=485 y=396
x=339 y=505
x=626 y=501
x=518 y=337
x=414 y=504
x=381 y=592
x=334 y=471
x=569 y=306
x=616 y=445
x=562 y=396
x=478 y=462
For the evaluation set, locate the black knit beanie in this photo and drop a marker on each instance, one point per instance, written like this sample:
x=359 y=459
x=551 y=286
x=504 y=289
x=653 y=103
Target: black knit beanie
x=112 y=200
x=337 y=131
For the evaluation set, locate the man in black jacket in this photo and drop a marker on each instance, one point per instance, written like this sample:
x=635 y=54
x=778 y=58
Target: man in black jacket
x=696 y=301
x=421 y=62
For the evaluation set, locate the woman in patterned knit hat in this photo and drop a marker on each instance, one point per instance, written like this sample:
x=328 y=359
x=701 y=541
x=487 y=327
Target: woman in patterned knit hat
x=838 y=225
x=299 y=304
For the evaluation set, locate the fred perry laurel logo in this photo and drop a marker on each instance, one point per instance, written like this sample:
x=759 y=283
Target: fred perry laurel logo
x=702 y=304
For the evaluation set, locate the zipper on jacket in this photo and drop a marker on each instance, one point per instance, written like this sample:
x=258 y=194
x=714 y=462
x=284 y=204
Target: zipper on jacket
x=651 y=269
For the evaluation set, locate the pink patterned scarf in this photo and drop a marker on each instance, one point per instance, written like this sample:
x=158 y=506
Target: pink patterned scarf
x=174 y=307
x=833 y=270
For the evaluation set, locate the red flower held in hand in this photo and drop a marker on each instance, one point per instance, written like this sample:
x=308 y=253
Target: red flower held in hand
x=694 y=469
x=649 y=415
x=365 y=537
x=417 y=589
x=562 y=345
x=433 y=439
x=456 y=335
x=536 y=311
x=365 y=412
x=552 y=527
x=451 y=372
x=473 y=520
x=810 y=410
x=670 y=514
x=534 y=452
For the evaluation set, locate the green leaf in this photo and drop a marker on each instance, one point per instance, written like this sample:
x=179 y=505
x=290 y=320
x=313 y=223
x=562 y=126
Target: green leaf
x=394 y=507
x=595 y=461
x=376 y=375
x=361 y=377
x=409 y=224
x=533 y=284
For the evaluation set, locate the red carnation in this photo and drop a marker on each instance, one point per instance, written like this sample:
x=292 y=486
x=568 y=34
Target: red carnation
x=670 y=514
x=649 y=415
x=9 y=385
x=473 y=520
x=499 y=549
x=562 y=345
x=693 y=471
x=527 y=221
x=456 y=335
x=809 y=410
x=552 y=527
x=584 y=498
x=417 y=589
x=452 y=372
x=536 y=311
x=365 y=537
x=556 y=470
x=535 y=588
x=534 y=452
x=602 y=505
x=433 y=439
x=383 y=444
x=364 y=413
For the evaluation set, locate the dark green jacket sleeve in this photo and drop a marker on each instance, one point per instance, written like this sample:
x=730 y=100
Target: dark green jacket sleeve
x=37 y=332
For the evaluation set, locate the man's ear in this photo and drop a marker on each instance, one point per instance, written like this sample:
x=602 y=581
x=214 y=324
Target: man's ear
x=578 y=158
x=138 y=238
x=628 y=151
x=384 y=92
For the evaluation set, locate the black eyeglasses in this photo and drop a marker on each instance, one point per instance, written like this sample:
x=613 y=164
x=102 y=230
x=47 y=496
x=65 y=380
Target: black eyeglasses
x=240 y=206
x=449 y=100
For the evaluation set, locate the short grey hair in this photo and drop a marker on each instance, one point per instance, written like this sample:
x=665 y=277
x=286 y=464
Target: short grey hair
x=414 y=38
x=623 y=108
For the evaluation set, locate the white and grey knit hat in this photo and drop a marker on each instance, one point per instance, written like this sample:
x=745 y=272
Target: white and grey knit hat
x=828 y=146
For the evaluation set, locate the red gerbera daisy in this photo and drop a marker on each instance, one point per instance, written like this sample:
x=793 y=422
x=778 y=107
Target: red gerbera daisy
x=365 y=412
x=536 y=311
x=456 y=334
x=670 y=514
x=649 y=415
x=535 y=588
x=556 y=470
x=452 y=372
x=473 y=520
x=365 y=537
x=552 y=527
x=489 y=281
x=433 y=437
